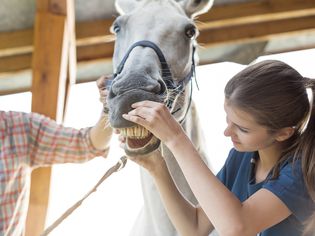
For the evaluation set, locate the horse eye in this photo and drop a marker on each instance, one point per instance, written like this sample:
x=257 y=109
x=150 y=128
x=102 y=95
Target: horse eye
x=116 y=28
x=190 y=31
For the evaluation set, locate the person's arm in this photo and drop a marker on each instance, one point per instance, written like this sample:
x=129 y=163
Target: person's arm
x=226 y=212
x=51 y=143
x=187 y=219
x=101 y=132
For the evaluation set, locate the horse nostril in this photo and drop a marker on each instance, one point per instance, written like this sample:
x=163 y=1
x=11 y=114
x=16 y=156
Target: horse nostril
x=135 y=82
x=111 y=94
x=154 y=87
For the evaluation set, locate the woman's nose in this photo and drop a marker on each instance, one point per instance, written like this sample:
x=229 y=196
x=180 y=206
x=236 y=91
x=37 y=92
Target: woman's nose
x=228 y=131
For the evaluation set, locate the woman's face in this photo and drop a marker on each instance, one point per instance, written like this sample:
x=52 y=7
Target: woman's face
x=246 y=134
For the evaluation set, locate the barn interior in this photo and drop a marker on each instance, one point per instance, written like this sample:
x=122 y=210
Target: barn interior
x=47 y=47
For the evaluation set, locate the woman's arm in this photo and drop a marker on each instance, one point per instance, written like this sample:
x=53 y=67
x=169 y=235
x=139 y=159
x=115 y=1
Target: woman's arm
x=187 y=219
x=228 y=215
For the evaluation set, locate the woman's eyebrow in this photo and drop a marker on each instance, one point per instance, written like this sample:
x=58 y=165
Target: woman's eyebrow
x=241 y=127
x=238 y=126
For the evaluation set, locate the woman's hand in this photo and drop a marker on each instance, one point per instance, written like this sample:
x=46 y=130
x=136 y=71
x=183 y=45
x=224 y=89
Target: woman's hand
x=151 y=162
x=156 y=118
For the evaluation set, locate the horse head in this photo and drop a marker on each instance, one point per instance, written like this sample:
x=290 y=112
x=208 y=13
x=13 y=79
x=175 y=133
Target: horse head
x=153 y=60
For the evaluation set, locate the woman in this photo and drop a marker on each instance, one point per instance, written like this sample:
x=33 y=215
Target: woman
x=263 y=186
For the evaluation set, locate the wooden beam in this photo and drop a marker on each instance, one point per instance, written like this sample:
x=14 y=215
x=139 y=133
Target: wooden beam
x=72 y=53
x=254 y=20
x=257 y=31
x=15 y=63
x=50 y=65
x=255 y=11
x=87 y=33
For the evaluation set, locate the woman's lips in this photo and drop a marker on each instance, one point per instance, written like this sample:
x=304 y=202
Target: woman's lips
x=235 y=142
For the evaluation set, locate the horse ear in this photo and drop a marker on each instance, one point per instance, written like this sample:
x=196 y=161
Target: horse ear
x=196 y=7
x=125 y=6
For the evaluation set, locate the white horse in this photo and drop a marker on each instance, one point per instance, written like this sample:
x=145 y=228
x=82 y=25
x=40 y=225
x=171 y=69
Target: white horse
x=154 y=60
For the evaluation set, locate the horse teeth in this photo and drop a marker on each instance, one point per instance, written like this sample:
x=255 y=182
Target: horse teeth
x=137 y=132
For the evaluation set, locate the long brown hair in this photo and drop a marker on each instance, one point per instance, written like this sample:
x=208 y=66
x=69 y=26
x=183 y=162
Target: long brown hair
x=310 y=226
x=276 y=95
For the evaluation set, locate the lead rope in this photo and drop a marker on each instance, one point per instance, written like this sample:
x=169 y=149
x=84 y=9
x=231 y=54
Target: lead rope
x=117 y=167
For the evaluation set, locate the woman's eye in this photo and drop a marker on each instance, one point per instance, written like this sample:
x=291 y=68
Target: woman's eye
x=243 y=130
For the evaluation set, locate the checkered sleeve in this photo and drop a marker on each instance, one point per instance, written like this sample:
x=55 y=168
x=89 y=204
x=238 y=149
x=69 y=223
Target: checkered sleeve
x=51 y=143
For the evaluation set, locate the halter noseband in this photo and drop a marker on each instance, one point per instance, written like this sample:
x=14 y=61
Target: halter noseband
x=166 y=72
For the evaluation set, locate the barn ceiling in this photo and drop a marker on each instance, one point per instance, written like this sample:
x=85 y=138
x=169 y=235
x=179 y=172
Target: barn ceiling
x=233 y=30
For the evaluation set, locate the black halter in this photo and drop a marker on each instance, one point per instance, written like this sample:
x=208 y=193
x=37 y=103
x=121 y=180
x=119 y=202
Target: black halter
x=166 y=72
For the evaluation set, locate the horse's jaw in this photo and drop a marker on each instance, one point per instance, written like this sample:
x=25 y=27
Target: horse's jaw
x=139 y=141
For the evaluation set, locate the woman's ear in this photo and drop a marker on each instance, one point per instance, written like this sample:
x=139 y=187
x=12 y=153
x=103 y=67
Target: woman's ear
x=284 y=134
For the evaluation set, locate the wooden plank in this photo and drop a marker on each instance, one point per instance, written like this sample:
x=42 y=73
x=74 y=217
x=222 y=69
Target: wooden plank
x=15 y=63
x=97 y=51
x=87 y=33
x=16 y=39
x=257 y=31
x=207 y=38
x=94 y=41
x=255 y=11
x=48 y=78
x=95 y=32
x=72 y=54
x=50 y=65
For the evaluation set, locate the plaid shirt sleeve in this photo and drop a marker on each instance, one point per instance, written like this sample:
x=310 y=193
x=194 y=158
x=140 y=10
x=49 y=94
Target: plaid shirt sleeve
x=50 y=143
x=29 y=140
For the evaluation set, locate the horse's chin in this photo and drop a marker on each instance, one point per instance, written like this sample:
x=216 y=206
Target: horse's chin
x=139 y=141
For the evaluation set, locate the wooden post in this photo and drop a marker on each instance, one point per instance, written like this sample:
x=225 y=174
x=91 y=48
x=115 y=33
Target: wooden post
x=53 y=36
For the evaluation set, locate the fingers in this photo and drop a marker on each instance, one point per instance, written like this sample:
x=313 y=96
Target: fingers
x=102 y=87
x=144 y=112
x=147 y=114
x=151 y=162
x=136 y=119
x=147 y=103
x=148 y=109
x=102 y=81
x=103 y=95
